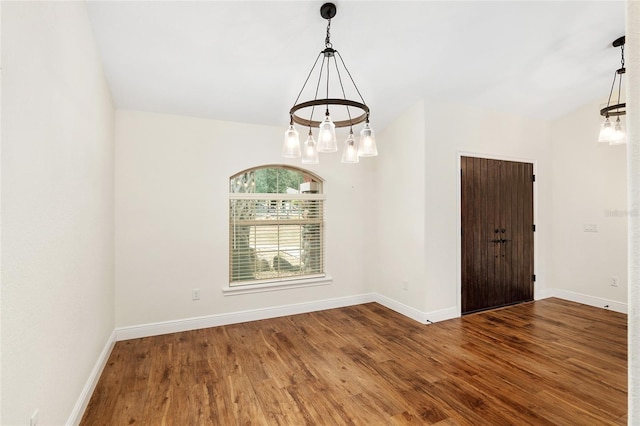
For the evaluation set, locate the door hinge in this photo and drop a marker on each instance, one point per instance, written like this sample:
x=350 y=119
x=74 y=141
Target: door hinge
x=533 y=228
x=533 y=277
x=533 y=178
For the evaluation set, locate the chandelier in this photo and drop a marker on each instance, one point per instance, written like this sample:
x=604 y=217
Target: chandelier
x=614 y=133
x=346 y=112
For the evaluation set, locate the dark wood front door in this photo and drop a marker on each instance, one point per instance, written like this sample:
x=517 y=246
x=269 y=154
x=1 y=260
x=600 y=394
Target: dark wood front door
x=497 y=233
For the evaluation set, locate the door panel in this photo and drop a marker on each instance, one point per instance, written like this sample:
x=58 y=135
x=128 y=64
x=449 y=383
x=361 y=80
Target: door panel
x=497 y=234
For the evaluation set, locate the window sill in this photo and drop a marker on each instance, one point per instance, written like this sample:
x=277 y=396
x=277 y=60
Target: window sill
x=276 y=285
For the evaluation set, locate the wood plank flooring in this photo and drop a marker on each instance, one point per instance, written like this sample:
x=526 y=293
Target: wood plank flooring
x=549 y=362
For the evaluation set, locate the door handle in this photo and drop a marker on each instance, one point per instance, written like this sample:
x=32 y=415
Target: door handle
x=500 y=241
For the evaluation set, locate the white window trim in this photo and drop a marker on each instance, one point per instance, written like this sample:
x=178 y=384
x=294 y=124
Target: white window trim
x=276 y=285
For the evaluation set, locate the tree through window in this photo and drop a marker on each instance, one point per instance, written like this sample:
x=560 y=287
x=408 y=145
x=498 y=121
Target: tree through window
x=276 y=225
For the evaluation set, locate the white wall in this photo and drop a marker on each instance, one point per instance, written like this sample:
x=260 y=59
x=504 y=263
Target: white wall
x=172 y=182
x=589 y=186
x=398 y=243
x=435 y=231
x=0 y=213
x=57 y=209
x=633 y=199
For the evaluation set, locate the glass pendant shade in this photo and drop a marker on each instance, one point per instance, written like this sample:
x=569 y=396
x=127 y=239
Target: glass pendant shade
x=291 y=146
x=327 y=136
x=619 y=136
x=367 y=146
x=350 y=153
x=310 y=151
x=606 y=131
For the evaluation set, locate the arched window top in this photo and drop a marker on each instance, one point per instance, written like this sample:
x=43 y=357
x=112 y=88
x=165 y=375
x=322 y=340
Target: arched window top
x=275 y=179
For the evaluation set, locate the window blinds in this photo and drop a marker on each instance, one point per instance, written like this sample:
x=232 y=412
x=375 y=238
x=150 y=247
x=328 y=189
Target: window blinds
x=275 y=237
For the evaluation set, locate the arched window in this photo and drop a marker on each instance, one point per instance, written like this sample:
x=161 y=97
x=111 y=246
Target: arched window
x=276 y=225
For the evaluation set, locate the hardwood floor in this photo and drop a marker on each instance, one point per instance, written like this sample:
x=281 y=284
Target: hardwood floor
x=549 y=362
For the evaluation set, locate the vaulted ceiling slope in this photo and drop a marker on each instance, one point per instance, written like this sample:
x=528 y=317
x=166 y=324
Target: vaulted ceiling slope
x=246 y=61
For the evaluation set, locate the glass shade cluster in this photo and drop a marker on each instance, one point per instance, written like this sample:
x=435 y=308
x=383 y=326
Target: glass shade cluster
x=612 y=132
x=327 y=143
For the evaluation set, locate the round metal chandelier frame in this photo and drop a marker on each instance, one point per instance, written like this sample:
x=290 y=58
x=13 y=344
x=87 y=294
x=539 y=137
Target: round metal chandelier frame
x=326 y=102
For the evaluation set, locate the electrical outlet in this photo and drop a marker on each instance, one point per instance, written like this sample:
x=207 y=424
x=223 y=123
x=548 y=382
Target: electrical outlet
x=590 y=227
x=405 y=285
x=195 y=294
x=614 y=281
x=33 y=421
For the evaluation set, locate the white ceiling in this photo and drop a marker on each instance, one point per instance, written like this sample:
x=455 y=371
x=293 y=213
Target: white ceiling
x=246 y=61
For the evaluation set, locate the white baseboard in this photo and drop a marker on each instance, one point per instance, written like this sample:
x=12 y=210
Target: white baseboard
x=92 y=381
x=597 y=302
x=443 y=314
x=539 y=294
x=415 y=314
x=166 y=327
x=401 y=308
